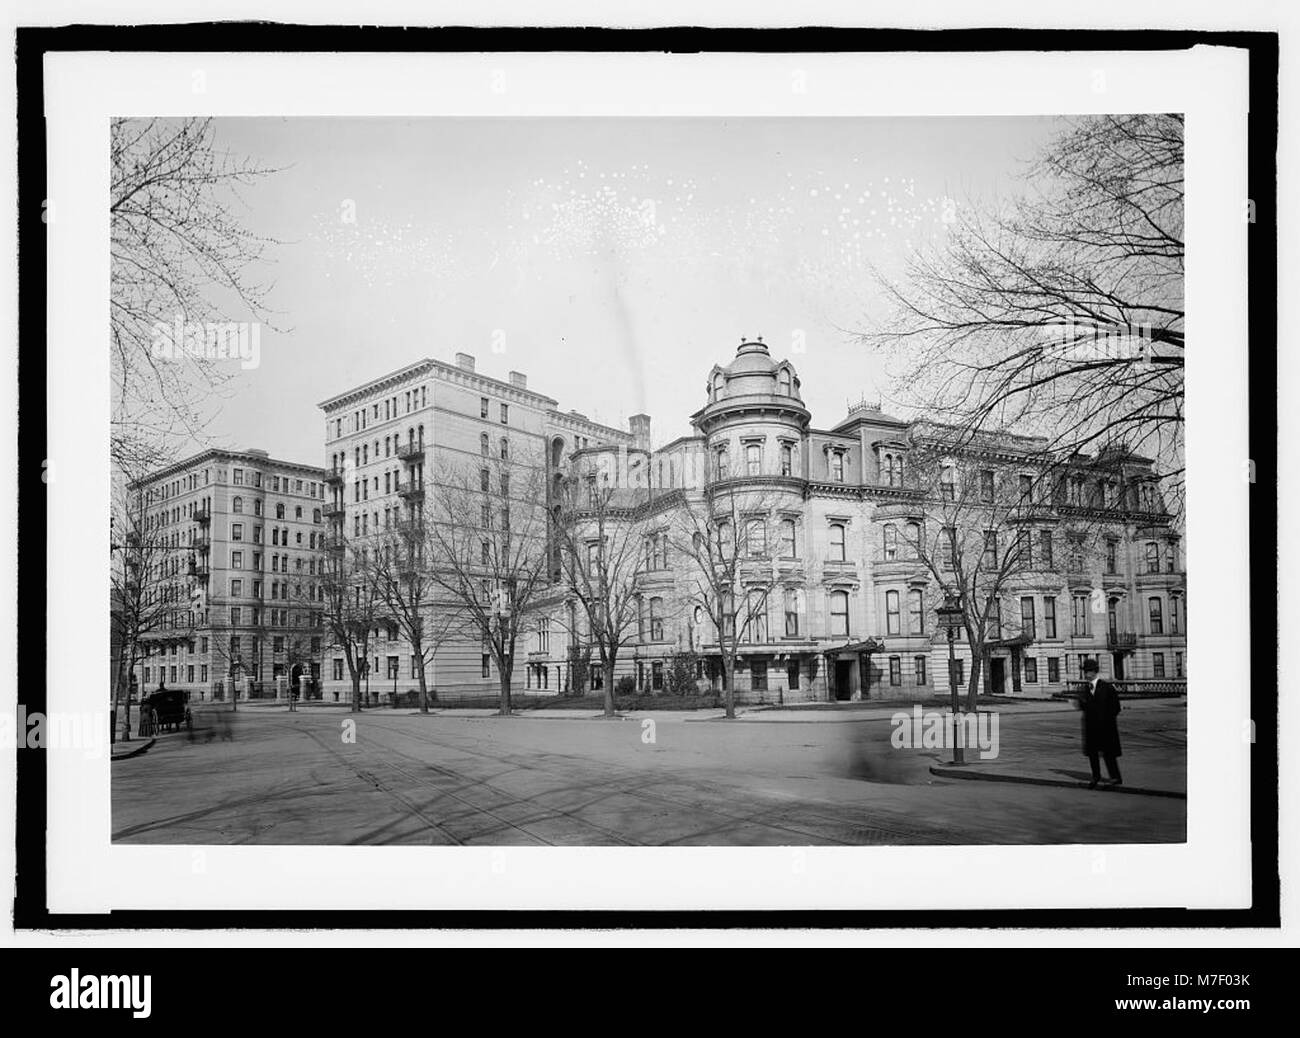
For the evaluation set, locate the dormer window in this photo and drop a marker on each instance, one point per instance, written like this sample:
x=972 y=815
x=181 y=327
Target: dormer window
x=783 y=382
x=891 y=466
x=718 y=383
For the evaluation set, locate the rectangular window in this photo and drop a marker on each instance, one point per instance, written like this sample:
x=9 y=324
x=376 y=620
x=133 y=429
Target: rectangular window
x=836 y=462
x=986 y=486
x=1158 y=664
x=1178 y=664
x=1112 y=556
x=338 y=669
x=792 y=675
x=657 y=675
x=788 y=547
x=1027 y=624
x=758 y=675
x=1156 y=613
x=236 y=531
x=1053 y=669
x=918 y=669
x=483 y=413
x=1045 y=549
x=487 y=665
x=791 y=613
x=957 y=672
x=895 y=670
x=1174 y=622
x=1049 y=617
x=505 y=414
x=1031 y=670
x=787 y=459
x=892 y=621
x=1080 y=603
x=236 y=560
x=1153 y=557
x=1171 y=557
x=840 y=613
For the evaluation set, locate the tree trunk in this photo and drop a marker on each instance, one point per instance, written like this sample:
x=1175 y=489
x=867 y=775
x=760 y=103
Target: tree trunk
x=354 y=672
x=729 y=687
x=609 y=688
x=505 y=693
x=424 y=690
x=973 y=686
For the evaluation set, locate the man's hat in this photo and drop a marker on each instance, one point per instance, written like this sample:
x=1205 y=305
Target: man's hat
x=1090 y=667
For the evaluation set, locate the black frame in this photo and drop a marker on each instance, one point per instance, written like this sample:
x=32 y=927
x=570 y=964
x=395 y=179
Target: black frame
x=33 y=43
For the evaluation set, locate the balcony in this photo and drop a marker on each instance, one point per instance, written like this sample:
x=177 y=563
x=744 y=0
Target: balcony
x=203 y=515
x=331 y=512
x=198 y=570
x=202 y=547
x=411 y=453
x=334 y=478
x=1118 y=641
x=411 y=492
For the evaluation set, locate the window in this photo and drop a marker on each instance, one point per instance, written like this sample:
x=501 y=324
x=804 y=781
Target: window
x=1178 y=664
x=918 y=669
x=758 y=616
x=995 y=617
x=791 y=613
x=236 y=588
x=1112 y=553
x=1174 y=622
x=237 y=504
x=753 y=459
x=948 y=483
x=892 y=618
x=1024 y=550
x=915 y=612
x=236 y=560
x=891 y=542
x=505 y=449
x=840 y=613
x=836 y=463
x=505 y=414
x=1080 y=603
x=912 y=540
x=483 y=413
x=1053 y=669
x=1031 y=670
x=1156 y=613
x=986 y=486
x=1026 y=487
x=1158 y=664
x=657 y=675
x=1027 y=624
x=722 y=466
x=788 y=545
x=836 y=550
x=234 y=616
x=787 y=459
x=792 y=675
x=238 y=477
x=783 y=382
x=483 y=444
x=756 y=537
x=1112 y=616
x=1153 y=557
x=895 y=670
x=1171 y=557
x=991 y=549
x=758 y=675
x=484 y=480
x=1045 y=549
x=656 y=619
x=236 y=531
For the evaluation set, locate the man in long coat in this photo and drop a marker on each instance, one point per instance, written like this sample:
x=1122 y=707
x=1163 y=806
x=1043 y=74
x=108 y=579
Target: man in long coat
x=1100 y=705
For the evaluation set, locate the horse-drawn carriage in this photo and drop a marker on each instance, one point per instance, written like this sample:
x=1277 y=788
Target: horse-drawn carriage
x=165 y=710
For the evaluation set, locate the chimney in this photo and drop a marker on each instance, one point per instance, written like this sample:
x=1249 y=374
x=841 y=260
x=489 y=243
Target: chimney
x=639 y=424
x=519 y=380
x=465 y=361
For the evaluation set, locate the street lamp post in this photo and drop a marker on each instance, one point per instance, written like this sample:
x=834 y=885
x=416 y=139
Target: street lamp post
x=950 y=617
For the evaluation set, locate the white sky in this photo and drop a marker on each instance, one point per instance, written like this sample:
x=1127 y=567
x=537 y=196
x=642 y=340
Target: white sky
x=616 y=260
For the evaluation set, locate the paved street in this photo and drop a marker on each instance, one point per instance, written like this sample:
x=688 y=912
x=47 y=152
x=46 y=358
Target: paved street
x=273 y=777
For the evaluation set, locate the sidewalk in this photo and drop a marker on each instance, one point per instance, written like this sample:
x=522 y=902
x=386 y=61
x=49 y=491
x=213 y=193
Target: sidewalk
x=1146 y=770
x=124 y=750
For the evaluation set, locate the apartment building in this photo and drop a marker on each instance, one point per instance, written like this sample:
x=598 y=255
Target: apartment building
x=231 y=544
x=396 y=442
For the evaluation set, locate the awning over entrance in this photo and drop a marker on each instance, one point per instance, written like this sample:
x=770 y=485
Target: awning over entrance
x=867 y=645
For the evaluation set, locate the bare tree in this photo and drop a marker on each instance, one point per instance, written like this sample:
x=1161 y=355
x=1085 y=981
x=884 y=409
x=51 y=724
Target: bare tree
x=400 y=570
x=729 y=539
x=1062 y=313
x=602 y=556
x=974 y=534
x=180 y=259
x=153 y=582
x=487 y=546
x=351 y=609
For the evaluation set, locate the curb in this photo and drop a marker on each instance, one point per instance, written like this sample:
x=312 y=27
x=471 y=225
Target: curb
x=134 y=753
x=1027 y=780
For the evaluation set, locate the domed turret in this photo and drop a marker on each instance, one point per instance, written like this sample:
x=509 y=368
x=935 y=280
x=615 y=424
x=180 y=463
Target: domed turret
x=753 y=374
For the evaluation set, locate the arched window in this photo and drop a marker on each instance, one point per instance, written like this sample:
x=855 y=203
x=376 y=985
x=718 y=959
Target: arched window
x=913 y=540
x=279 y=511
x=839 y=614
x=315 y=515
x=836 y=550
x=483 y=444
x=783 y=382
x=297 y=512
x=505 y=448
x=718 y=383
x=237 y=505
x=891 y=542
